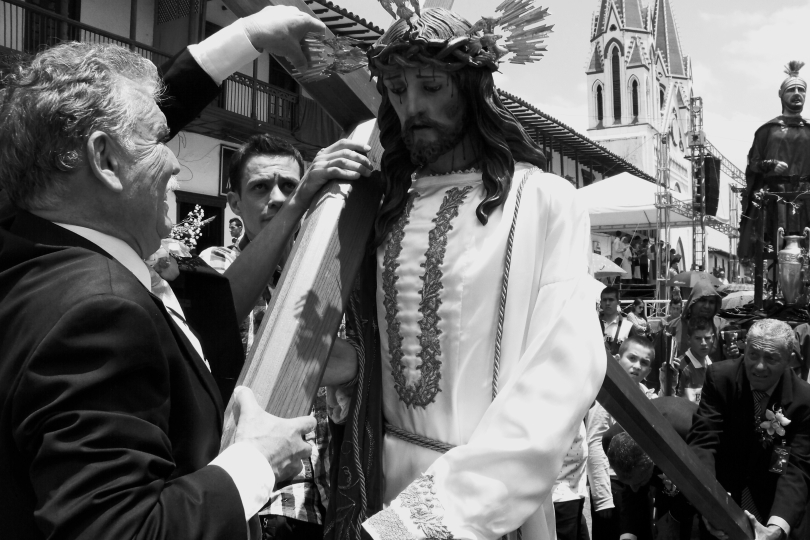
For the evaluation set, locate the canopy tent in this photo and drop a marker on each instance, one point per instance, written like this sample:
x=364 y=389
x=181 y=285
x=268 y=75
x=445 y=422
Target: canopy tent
x=625 y=201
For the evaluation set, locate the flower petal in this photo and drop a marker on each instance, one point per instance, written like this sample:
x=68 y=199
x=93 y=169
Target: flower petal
x=784 y=421
x=780 y=431
x=765 y=425
x=770 y=430
x=769 y=414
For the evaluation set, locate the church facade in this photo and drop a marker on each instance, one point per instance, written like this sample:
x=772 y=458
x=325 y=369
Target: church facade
x=639 y=84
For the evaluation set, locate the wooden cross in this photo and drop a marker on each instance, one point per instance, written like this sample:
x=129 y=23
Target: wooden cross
x=288 y=358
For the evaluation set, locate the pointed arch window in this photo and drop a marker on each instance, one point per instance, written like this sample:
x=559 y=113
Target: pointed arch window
x=662 y=95
x=600 y=106
x=634 y=91
x=617 y=85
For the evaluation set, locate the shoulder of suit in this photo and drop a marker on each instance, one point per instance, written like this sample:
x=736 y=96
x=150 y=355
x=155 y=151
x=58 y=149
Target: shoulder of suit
x=71 y=274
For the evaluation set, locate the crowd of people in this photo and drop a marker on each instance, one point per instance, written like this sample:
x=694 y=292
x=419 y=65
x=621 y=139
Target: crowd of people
x=743 y=407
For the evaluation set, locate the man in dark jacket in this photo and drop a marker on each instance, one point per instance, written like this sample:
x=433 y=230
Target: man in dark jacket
x=752 y=429
x=111 y=422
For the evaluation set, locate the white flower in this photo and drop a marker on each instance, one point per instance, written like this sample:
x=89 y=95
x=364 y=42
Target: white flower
x=775 y=423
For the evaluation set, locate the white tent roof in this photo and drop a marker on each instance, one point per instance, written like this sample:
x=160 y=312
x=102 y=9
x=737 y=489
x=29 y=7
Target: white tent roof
x=625 y=201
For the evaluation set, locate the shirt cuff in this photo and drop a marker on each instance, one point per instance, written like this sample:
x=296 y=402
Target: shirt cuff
x=781 y=523
x=224 y=52
x=251 y=473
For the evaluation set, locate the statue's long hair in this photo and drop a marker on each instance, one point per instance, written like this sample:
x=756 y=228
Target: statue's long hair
x=497 y=134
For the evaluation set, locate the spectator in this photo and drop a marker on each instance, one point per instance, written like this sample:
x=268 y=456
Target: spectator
x=644 y=260
x=642 y=482
x=760 y=457
x=703 y=302
x=570 y=490
x=615 y=326
x=635 y=258
x=636 y=356
x=638 y=317
x=263 y=173
x=617 y=248
x=627 y=259
x=689 y=382
x=673 y=271
x=722 y=276
x=235 y=227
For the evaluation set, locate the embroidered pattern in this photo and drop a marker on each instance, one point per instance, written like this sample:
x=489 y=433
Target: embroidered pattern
x=424 y=392
x=426 y=511
x=390 y=527
x=389 y=281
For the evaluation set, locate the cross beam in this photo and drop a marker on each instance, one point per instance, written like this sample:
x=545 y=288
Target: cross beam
x=623 y=399
x=287 y=360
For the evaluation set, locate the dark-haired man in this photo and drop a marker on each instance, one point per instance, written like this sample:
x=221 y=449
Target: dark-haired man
x=752 y=430
x=615 y=326
x=235 y=228
x=635 y=356
x=465 y=453
x=263 y=173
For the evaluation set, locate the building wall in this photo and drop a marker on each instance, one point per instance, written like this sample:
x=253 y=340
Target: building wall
x=199 y=158
x=114 y=16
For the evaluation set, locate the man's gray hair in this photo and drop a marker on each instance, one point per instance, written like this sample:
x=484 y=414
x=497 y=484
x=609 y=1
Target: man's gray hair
x=773 y=330
x=50 y=104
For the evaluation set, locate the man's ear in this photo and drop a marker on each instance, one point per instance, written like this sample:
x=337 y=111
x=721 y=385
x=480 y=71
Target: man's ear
x=235 y=201
x=103 y=158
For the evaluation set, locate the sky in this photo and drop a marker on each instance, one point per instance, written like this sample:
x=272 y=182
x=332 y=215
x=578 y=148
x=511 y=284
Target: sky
x=738 y=50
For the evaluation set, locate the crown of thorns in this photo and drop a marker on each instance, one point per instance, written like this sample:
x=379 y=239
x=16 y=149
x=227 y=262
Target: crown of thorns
x=481 y=46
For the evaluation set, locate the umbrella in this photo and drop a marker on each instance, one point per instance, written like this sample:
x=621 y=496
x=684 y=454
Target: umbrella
x=602 y=267
x=737 y=299
x=692 y=278
x=735 y=287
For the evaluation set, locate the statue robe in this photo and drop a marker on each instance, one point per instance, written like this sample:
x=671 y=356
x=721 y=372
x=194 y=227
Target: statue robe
x=785 y=139
x=428 y=368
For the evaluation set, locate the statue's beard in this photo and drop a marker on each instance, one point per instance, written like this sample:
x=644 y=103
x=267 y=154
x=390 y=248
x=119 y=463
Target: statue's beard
x=423 y=152
x=793 y=107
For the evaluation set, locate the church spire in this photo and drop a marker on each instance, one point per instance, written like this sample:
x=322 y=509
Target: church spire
x=628 y=15
x=667 y=40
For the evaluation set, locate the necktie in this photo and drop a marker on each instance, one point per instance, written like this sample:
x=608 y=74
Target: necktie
x=162 y=289
x=746 y=500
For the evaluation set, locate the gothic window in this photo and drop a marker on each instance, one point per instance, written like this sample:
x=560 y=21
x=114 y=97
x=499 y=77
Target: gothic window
x=617 y=85
x=635 y=98
x=600 y=108
x=662 y=96
x=613 y=28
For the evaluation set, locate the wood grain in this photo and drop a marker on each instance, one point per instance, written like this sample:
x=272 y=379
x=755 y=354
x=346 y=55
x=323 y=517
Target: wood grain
x=623 y=399
x=288 y=357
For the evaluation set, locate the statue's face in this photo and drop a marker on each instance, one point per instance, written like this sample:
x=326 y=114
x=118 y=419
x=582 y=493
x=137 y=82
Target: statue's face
x=793 y=99
x=430 y=109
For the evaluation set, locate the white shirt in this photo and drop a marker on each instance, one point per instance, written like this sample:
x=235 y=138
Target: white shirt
x=571 y=482
x=220 y=55
x=509 y=451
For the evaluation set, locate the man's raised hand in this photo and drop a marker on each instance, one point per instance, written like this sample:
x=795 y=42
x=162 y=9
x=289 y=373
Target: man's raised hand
x=344 y=160
x=280 y=30
x=279 y=440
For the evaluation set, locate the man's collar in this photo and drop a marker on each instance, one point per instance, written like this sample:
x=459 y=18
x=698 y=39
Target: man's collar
x=117 y=249
x=244 y=241
x=697 y=363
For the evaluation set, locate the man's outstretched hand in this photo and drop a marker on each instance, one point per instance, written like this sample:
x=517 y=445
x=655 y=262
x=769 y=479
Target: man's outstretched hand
x=280 y=30
x=279 y=440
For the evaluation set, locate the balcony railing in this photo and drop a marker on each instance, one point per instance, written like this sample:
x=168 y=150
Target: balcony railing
x=27 y=28
x=258 y=100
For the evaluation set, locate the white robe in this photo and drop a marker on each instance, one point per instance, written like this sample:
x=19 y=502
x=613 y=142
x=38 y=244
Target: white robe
x=509 y=451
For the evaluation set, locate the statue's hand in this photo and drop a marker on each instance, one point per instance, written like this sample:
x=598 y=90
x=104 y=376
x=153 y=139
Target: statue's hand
x=780 y=167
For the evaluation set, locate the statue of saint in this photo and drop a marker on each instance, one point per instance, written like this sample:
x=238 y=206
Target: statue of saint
x=779 y=162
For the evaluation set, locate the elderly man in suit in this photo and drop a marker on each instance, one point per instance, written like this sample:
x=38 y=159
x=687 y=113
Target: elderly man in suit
x=752 y=429
x=110 y=420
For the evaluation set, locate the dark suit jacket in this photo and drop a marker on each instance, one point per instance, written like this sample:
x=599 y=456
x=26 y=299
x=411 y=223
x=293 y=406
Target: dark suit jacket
x=723 y=437
x=108 y=418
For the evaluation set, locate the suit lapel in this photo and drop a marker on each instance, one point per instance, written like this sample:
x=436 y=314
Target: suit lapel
x=193 y=358
x=40 y=231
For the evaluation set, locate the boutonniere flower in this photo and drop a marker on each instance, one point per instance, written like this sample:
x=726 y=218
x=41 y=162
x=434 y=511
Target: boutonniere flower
x=774 y=424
